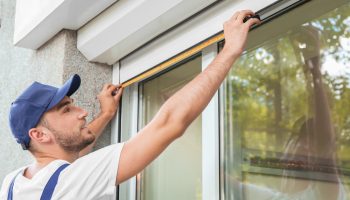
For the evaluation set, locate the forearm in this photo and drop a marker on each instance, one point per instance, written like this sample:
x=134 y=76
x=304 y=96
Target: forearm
x=324 y=142
x=173 y=118
x=99 y=123
x=185 y=105
x=96 y=127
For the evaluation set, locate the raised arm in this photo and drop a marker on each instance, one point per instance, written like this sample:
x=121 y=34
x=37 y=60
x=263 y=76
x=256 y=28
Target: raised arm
x=178 y=112
x=108 y=107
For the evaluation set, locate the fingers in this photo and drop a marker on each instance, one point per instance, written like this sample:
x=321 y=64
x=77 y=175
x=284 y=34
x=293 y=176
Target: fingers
x=115 y=92
x=252 y=21
x=234 y=16
x=241 y=15
x=244 y=13
x=118 y=93
x=111 y=89
x=106 y=86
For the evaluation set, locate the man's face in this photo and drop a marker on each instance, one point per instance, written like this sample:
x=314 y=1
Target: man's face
x=68 y=125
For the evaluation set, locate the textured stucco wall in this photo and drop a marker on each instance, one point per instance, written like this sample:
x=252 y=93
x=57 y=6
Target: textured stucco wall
x=93 y=75
x=53 y=63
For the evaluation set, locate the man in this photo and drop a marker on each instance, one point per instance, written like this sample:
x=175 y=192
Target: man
x=45 y=121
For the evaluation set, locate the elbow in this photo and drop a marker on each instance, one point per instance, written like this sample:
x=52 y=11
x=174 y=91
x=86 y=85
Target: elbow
x=178 y=130
x=177 y=126
x=172 y=125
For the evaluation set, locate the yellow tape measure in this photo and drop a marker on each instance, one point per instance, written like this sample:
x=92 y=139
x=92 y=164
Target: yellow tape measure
x=175 y=60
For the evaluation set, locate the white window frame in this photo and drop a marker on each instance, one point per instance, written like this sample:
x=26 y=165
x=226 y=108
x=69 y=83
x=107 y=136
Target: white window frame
x=127 y=190
x=210 y=131
x=210 y=139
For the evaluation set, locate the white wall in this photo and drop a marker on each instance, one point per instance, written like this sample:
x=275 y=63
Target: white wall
x=185 y=36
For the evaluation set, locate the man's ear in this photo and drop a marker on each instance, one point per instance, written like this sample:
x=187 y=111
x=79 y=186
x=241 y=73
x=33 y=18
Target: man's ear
x=40 y=135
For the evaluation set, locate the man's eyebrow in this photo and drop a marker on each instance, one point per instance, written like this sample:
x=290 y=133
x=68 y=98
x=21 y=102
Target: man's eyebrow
x=62 y=104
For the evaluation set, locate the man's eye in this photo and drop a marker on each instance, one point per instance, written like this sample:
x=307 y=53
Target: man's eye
x=67 y=109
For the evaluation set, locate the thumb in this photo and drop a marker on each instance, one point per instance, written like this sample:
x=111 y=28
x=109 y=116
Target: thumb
x=252 y=21
x=118 y=93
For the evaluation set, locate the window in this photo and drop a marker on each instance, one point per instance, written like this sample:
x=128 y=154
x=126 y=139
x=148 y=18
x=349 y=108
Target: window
x=286 y=109
x=176 y=173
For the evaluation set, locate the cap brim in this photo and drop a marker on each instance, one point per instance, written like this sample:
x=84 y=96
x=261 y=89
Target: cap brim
x=68 y=88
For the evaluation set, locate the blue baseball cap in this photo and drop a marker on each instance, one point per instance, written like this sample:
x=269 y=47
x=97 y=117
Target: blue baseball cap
x=28 y=108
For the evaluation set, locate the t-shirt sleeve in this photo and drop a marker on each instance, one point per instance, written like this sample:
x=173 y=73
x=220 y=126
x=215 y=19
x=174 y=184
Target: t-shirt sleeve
x=92 y=176
x=6 y=183
x=4 y=188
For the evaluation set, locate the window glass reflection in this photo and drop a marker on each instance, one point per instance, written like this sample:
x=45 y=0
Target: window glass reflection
x=287 y=114
x=177 y=172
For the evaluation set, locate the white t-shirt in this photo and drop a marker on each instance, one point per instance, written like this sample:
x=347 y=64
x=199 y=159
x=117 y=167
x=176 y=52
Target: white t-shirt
x=92 y=176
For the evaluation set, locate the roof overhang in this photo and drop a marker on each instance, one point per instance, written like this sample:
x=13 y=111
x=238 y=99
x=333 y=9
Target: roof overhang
x=107 y=30
x=127 y=25
x=37 y=21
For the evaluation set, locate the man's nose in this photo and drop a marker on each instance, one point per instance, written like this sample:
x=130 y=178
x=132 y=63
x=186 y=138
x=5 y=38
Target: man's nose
x=83 y=114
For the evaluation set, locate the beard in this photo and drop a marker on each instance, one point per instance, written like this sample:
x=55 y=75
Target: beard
x=75 y=141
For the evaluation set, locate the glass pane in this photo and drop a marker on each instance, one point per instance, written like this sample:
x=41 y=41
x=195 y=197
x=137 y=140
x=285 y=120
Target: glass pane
x=287 y=109
x=176 y=173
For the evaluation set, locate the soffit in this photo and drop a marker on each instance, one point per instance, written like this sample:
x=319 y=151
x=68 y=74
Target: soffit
x=128 y=25
x=37 y=21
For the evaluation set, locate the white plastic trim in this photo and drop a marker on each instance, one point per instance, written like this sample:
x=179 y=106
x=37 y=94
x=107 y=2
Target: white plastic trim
x=185 y=36
x=37 y=21
x=115 y=121
x=210 y=138
x=127 y=190
x=127 y=25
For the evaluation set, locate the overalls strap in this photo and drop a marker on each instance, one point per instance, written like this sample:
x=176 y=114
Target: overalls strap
x=49 y=187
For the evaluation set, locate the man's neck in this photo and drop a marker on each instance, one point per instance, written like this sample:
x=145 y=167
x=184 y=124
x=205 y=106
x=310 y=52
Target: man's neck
x=42 y=160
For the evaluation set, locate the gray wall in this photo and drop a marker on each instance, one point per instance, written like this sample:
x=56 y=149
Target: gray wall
x=53 y=63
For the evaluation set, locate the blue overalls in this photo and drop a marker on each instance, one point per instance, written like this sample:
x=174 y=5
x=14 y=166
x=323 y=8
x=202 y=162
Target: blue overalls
x=49 y=187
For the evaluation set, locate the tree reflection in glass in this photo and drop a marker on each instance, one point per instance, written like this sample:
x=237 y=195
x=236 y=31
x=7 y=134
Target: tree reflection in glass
x=287 y=115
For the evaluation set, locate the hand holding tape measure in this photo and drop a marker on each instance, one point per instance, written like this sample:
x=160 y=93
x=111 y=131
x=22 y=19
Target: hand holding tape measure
x=250 y=17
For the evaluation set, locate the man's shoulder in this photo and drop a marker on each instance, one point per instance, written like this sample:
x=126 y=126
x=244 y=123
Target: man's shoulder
x=110 y=151
x=9 y=177
x=104 y=150
x=12 y=174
